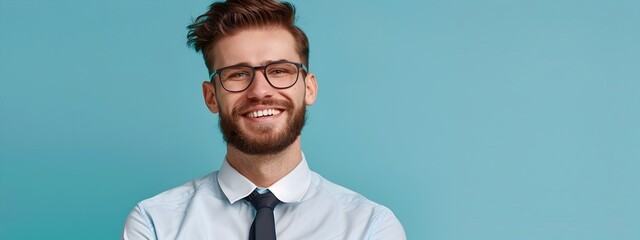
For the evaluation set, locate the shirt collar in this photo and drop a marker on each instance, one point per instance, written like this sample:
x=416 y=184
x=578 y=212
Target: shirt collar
x=290 y=188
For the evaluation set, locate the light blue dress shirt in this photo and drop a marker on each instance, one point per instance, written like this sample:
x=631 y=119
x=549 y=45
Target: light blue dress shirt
x=212 y=207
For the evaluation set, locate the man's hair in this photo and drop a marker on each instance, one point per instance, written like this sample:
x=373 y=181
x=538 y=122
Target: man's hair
x=228 y=18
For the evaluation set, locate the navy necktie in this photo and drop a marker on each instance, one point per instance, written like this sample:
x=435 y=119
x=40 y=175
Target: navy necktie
x=263 y=226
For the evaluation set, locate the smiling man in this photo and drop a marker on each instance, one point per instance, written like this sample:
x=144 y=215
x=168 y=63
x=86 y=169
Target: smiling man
x=260 y=85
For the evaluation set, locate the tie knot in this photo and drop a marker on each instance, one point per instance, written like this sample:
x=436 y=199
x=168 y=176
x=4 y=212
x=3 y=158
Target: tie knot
x=267 y=200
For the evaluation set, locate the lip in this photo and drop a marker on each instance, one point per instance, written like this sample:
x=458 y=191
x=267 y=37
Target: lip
x=262 y=107
x=263 y=119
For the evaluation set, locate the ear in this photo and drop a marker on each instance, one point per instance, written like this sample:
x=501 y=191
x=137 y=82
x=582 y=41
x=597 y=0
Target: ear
x=311 y=89
x=209 y=92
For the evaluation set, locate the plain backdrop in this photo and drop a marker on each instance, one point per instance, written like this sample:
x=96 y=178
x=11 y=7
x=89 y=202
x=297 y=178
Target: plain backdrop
x=469 y=119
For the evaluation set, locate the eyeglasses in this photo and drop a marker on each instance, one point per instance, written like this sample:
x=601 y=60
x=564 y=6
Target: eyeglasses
x=280 y=75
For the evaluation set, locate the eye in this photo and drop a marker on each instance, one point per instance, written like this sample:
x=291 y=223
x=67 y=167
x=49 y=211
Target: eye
x=281 y=70
x=277 y=71
x=236 y=74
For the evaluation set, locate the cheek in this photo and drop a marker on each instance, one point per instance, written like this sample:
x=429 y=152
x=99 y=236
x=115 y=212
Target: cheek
x=300 y=90
x=225 y=104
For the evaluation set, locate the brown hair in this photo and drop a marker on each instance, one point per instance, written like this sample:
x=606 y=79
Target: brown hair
x=227 y=18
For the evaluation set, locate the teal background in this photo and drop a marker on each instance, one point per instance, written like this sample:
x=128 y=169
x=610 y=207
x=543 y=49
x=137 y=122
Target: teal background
x=469 y=119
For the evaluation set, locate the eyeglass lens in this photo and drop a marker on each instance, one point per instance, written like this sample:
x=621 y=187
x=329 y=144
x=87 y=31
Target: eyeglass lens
x=238 y=78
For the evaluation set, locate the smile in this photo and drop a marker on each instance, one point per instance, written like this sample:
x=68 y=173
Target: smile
x=263 y=113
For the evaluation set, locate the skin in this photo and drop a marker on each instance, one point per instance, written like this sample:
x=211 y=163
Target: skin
x=257 y=47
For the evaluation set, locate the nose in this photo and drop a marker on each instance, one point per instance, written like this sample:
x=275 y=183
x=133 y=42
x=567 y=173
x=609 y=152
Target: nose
x=260 y=87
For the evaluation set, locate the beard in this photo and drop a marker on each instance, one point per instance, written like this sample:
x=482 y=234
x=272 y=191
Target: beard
x=262 y=140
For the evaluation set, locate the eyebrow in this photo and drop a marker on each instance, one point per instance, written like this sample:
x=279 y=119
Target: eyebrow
x=263 y=63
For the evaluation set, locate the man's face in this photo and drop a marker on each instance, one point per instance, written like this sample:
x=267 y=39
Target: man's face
x=284 y=108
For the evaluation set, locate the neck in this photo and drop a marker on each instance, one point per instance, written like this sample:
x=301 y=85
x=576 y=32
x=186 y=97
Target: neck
x=265 y=170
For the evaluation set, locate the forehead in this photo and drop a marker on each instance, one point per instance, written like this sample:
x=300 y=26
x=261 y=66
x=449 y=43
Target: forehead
x=254 y=47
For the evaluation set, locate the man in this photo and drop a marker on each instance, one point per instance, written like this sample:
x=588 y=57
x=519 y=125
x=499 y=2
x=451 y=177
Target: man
x=260 y=85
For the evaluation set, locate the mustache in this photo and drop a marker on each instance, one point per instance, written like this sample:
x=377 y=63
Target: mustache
x=245 y=105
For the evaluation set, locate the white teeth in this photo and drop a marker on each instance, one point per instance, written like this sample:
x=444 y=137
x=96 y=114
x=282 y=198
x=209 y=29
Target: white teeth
x=265 y=112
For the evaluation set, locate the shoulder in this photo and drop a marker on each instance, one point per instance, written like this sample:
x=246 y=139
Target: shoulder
x=203 y=185
x=380 y=221
x=325 y=188
x=141 y=222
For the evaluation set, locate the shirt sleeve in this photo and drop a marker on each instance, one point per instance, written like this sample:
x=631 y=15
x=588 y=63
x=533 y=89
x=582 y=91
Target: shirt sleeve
x=137 y=227
x=387 y=227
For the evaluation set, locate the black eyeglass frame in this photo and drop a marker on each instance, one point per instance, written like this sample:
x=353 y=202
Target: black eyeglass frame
x=264 y=73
